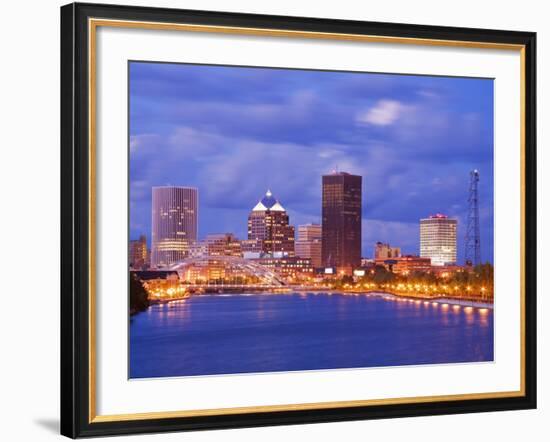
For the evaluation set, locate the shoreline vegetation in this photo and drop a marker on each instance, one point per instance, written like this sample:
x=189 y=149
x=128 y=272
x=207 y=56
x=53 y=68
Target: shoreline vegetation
x=139 y=298
x=472 y=284
x=468 y=287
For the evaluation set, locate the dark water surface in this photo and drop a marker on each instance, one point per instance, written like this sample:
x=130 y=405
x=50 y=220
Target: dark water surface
x=218 y=334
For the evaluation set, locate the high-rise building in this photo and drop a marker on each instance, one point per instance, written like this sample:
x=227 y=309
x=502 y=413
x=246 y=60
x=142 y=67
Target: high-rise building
x=385 y=251
x=174 y=223
x=268 y=226
x=341 y=213
x=138 y=253
x=308 y=243
x=438 y=239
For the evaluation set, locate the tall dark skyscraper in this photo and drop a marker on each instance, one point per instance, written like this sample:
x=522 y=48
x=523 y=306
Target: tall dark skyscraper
x=341 y=215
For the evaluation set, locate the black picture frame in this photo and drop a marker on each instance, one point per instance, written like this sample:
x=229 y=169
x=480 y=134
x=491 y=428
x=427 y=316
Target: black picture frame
x=75 y=220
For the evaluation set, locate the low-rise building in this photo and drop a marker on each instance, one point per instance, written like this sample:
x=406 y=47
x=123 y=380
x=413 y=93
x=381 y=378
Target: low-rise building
x=160 y=284
x=448 y=270
x=405 y=265
x=385 y=251
x=289 y=267
x=138 y=253
x=223 y=244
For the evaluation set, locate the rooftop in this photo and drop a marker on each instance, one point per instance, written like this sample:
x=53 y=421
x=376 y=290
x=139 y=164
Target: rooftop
x=335 y=172
x=268 y=202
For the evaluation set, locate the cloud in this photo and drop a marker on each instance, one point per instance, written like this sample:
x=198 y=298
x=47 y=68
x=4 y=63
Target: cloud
x=233 y=171
x=234 y=132
x=399 y=234
x=383 y=113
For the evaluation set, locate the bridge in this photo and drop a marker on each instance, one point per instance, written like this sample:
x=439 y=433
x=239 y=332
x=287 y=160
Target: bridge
x=234 y=265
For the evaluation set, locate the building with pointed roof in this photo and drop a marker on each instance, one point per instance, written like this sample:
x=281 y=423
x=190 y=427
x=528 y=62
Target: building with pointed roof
x=269 y=231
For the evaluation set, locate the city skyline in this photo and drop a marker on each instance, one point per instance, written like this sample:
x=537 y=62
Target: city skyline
x=376 y=133
x=269 y=233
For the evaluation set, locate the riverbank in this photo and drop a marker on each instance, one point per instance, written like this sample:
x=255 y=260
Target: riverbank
x=168 y=300
x=459 y=300
x=436 y=300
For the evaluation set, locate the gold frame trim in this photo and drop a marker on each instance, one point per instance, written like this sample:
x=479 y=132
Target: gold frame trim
x=93 y=24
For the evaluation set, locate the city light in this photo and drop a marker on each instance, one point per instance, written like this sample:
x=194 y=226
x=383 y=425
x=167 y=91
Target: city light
x=268 y=258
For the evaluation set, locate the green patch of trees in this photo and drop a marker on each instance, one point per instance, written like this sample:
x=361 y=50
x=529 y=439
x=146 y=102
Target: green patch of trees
x=139 y=300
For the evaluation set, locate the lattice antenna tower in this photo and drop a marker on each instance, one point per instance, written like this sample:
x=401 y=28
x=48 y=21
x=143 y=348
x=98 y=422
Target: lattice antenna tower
x=472 y=254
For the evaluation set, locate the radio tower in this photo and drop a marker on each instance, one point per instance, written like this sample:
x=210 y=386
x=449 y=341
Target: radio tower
x=472 y=254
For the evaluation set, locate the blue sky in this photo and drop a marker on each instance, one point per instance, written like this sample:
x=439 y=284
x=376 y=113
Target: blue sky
x=233 y=132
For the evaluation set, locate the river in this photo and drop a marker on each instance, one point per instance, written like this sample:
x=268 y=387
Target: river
x=251 y=333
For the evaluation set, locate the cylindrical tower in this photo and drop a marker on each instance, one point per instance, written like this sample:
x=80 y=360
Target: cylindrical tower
x=173 y=224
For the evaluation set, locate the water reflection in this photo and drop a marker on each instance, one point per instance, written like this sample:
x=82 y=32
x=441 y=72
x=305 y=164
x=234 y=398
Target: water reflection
x=280 y=332
x=484 y=317
x=469 y=312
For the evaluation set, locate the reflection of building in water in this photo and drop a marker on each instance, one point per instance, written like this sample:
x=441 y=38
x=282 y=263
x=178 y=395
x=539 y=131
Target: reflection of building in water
x=173 y=224
x=269 y=230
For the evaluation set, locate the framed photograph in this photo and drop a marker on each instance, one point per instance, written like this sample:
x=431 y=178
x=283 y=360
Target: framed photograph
x=274 y=220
